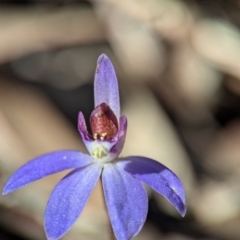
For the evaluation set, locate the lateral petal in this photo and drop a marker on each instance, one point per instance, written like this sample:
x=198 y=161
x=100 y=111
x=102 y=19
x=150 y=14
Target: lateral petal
x=117 y=148
x=158 y=177
x=68 y=199
x=126 y=201
x=45 y=165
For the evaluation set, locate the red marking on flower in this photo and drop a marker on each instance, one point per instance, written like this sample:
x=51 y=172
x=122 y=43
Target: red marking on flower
x=103 y=122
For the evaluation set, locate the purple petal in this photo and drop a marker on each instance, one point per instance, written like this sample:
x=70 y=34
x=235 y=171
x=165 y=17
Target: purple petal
x=82 y=128
x=68 y=200
x=157 y=176
x=45 y=165
x=126 y=201
x=106 y=85
x=117 y=148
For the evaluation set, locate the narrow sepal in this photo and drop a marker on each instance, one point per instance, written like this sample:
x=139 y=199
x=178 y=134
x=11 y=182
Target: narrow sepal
x=157 y=176
x=45 y=165
x=68 y=200
x=126 y=201
x=106 y=85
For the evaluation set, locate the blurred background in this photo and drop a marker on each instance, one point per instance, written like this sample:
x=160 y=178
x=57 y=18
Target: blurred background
x=177 y=63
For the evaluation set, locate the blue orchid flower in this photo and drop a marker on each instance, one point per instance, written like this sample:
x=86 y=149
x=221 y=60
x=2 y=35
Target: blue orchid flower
x=122 y=178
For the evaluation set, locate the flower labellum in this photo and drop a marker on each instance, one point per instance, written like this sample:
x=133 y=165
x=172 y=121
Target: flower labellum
x=103 y=122
x=122 y=178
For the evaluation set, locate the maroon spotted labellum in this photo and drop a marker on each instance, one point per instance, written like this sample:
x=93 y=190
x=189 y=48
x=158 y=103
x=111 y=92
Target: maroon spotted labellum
x=103 y=122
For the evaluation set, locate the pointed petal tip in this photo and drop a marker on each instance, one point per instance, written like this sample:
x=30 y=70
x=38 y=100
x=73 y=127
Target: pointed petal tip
x=183 y=211
x=181 y=205
x=7 y=188
x=183 y=214
x=5 y=192
x=102 y=57
x=50 y=237
x=104 y=63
